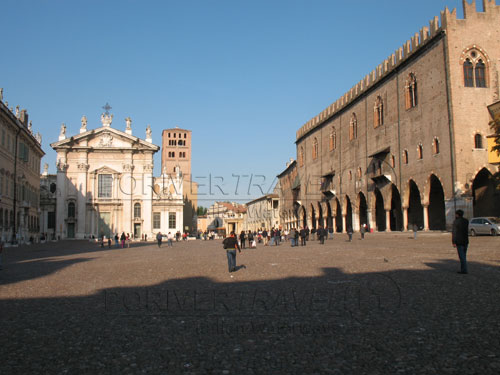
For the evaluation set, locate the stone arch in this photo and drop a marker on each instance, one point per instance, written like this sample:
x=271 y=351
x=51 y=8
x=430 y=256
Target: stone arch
x=348 y=211
x=302 y=216
x=338 y=215
x=415 y=207
x=396 y=212
x=312 y=216
x=320 y=215
x=485 y=199
x=362 y=209
x=436 y=203
x=379 y=209
x=329 y=215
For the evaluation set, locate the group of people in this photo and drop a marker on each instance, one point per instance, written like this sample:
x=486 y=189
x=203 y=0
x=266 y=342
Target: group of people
x=170 y=239
x=120 y=241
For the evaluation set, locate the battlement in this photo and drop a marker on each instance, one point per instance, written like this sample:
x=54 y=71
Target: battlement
x=415 y=43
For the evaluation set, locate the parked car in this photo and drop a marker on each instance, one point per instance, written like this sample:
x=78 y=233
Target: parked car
x=484 y=225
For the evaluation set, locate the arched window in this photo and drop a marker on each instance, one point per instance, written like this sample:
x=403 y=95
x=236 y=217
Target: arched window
x=353 y=127
x=420 y=151
x=393 y=161
x=360 y=173
x=478 y=141
x=480 y=74
x=301 y=156
x=405 y=156
x=137 y=211
x=350 y=176
x=468 y=76
x=71 y=210
x=411 y=91
x=436 y=146
x=475 y=68
x=333 y=139
x=315 y=149
x=378 y=112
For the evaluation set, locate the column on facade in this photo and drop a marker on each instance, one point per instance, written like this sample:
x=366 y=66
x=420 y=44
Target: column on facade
x=355 y=221
x=426 y=216
x=61 y=199
x=388 y=220
x=344 y=222
x=81 y=202
x=126 y=196
x=405 y=218
x=369 y=217
x=147 y=196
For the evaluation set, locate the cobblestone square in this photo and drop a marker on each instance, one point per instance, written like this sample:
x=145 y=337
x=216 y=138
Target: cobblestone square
x=387 y=304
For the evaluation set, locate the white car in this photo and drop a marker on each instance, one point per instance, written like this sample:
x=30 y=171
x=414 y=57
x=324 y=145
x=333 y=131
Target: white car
x=484 y=225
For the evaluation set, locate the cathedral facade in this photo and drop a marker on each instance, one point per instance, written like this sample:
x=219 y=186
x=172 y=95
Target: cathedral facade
x=105 y=185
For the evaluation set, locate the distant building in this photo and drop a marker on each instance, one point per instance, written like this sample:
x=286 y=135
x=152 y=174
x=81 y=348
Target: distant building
x=48 y=204
x=105 y=185
x=176 y=153
x=20 y=155
x=226 y=216
x=263 y=212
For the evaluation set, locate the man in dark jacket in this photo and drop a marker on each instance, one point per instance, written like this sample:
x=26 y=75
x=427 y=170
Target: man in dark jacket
x=321 y=235
x=231 y=244
x=303 y=235
x=460 y=239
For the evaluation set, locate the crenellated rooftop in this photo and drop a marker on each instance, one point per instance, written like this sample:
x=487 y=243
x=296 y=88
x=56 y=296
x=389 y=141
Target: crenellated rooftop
x=415 y=43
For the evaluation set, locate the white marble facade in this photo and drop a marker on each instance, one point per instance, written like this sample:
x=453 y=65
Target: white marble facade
x=105 y=185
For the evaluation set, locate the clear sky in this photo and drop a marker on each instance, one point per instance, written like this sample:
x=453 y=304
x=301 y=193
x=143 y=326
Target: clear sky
x=244 y=76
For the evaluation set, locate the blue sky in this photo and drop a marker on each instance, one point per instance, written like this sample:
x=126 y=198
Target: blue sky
x=242 y=75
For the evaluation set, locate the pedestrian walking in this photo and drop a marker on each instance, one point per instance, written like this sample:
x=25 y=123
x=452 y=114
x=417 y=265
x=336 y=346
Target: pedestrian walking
x=291 y=234
x=170 y=239
x=460 y=239
x=277 y=236
x=231 y=245
x=117 y=244
x=159 y=238
x=330 y=232
x=303 y=236
x=321 y=235
x=242 y=239
x=122 y=239
x=307 y=233
x=415 y=229
x=349 y=232
x=362 y=231
x=102 y=239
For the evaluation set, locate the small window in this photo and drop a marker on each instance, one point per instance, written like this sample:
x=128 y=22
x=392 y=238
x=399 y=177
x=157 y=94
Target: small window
x=378 y=112
x=478 y=141
x=137 y=211
x=360 y=173
x=105 y=186
x=405 y=156
x=315 y=149
x=157 y=219
x=71 y=210
x=171 y=220
x=350 y=176
x=353 y=127
x=420 y=152
x=411 y=91
x=480 y=74
x=393 y=161
x=333 y=139
x=436 y=146
x=301 y=156
x=185 y=135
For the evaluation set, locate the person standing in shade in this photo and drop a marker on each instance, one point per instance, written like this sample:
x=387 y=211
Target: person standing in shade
x=277 y=236
x=159 y=238
x=321 y=235
x=291 y=234
x=460 y=239
x=362 y=230
x=242 y=239
x=303 y=235
x=349 y=232
x=307 y=233
x=231 y=245
x=415 y=230
x=330 y=232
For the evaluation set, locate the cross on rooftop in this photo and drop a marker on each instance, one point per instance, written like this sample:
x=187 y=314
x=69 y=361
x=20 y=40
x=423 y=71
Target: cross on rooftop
x=107 y=107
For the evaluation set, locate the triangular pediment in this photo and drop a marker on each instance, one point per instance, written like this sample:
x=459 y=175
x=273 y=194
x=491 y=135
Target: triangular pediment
x=104 y=170
x=105 y=138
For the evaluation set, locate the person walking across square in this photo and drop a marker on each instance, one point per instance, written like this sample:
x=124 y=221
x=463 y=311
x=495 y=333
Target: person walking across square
x=231 y=245
x=159 y=238
x=460 y=239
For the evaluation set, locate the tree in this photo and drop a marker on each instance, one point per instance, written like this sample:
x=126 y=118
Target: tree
x=495 y=126
x=201 y=211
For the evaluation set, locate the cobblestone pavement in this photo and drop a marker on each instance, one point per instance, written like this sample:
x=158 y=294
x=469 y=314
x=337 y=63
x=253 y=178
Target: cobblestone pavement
x=385 y=305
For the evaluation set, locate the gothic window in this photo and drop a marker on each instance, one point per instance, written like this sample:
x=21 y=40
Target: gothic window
x=301 y=156
x=393 y=161
x=360 y=173
x=475 y=69
x=378 y=112
x=137 y=211
x=468 y=76
x=480 y=74
x=353 y=127
x=411 y=91
x=478 y=141
x=71 y=210
x=436 y=146
x=315 y=149
x=105 y=185
x=405 y=156
x=333 y=139
x=420 y=151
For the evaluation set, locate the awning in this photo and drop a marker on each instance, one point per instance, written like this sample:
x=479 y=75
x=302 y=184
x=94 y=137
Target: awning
x=382 y=179
x=379 y=153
